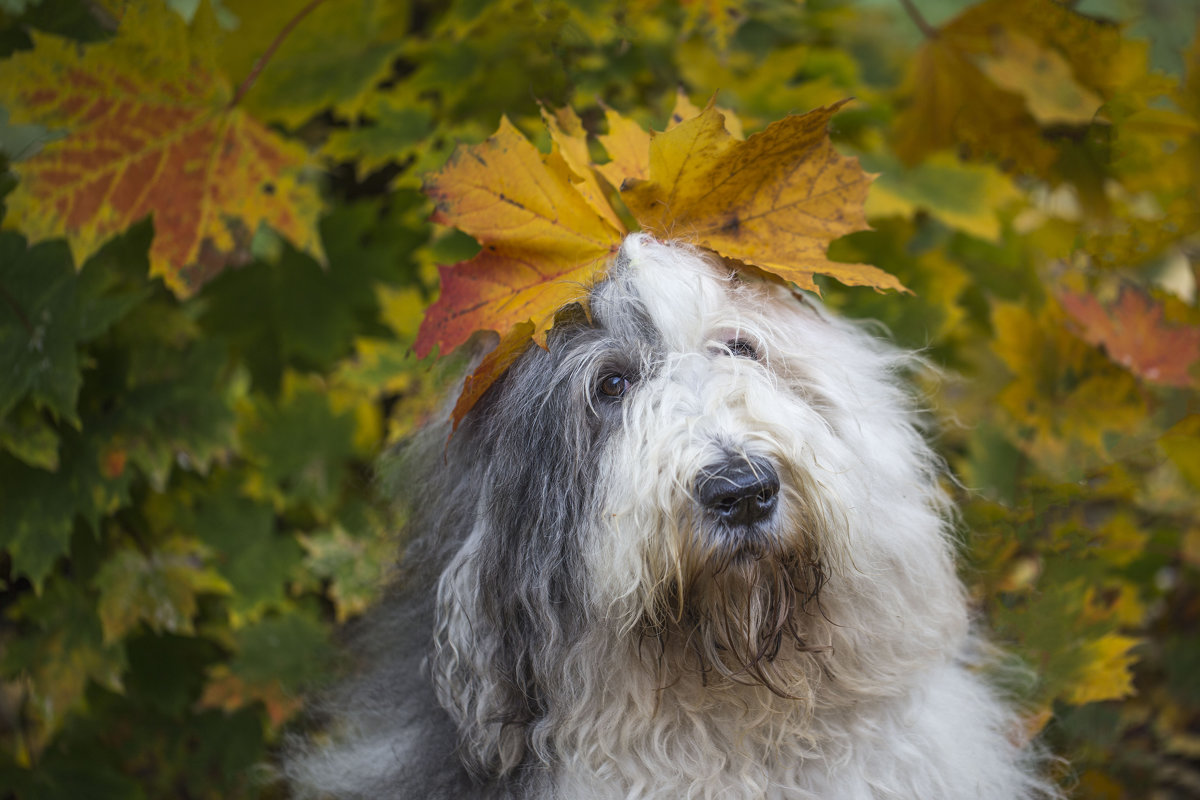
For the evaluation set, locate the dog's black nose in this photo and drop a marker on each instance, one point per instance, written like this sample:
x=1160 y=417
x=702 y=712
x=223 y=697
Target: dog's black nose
x=740 y=491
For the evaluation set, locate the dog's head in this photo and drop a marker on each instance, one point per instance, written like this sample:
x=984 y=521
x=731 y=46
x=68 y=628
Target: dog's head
x=702 y=475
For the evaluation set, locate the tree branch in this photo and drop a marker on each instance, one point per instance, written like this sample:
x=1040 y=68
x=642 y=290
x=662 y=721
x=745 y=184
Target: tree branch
x=914 y=14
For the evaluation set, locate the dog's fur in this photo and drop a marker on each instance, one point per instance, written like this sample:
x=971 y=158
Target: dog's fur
x=585 y=611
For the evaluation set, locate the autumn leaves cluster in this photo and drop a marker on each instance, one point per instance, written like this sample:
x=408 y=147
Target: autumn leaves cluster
x=547 y=222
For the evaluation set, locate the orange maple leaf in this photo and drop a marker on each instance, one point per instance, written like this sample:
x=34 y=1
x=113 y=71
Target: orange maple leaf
x=150 y=132
x=543 y=240
x=490 y=368
x=229 y=693
x=1135 y=335
x=775 y=200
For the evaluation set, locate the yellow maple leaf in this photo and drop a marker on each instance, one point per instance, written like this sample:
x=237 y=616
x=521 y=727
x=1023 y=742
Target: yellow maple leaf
x=628 y=147
x=570 y=142
x=775 y=200
x=150 y=131
x=542 y=239
x=1107 y=674
x=1099 y=56
x=685 y=109
x=992 y=76
x=953 y=103
x=1065 y=422
x=1043 y=77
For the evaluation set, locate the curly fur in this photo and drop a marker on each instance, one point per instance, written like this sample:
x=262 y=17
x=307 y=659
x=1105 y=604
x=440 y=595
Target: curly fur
x=580 y=615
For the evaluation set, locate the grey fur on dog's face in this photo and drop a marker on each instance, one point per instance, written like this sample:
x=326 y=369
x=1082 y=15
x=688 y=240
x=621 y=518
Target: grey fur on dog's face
x=696 y=547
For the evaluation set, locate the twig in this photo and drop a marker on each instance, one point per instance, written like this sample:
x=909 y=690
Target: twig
x=914 y=14
x=20 y=312
x=270 y=51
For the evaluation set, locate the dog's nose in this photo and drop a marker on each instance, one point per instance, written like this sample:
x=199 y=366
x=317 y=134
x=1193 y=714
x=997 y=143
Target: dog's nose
x=740 y=491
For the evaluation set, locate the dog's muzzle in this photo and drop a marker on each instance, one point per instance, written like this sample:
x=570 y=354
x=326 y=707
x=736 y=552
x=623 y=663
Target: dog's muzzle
x=739 y=492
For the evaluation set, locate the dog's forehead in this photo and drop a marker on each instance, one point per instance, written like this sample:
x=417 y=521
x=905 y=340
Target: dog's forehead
x=680 y=292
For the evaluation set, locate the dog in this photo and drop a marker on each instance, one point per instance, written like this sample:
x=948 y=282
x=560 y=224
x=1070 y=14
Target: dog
x=696 y=547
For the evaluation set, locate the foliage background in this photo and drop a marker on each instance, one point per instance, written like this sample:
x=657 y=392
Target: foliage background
x=186 y=436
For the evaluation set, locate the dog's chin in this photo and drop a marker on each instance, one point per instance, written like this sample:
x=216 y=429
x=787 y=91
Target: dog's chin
x=745 y=614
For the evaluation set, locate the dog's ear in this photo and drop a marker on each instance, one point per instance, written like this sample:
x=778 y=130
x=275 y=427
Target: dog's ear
x=482 y=671
x=510 y=607
x=502 y=627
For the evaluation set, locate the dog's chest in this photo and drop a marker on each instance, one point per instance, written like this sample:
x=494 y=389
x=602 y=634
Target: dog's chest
x=688 y=746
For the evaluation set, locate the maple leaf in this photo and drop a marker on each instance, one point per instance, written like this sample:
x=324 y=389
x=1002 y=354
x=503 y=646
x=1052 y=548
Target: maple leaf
x=723 y=16
x=775 y=200
x=1107 y=672
x=65 y=653
x=1135 y=335
x=992 y=76
x=229 y=693
x=151 y=132
x=685 y=109
x=1099 y=58
x=628 y=147
x=329 y=55
x=275 y=656
x=570 y=142
x=491 y=367
x=160 y=589
x=953 y=102
x=1043 y=77
x=542 y=239
x=962 y=195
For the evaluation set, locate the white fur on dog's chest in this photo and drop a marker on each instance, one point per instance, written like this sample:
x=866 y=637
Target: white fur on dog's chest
x=925 y=743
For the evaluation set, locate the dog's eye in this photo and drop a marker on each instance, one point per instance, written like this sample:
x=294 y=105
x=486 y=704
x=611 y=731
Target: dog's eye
x=742 y=349
x=613 y=385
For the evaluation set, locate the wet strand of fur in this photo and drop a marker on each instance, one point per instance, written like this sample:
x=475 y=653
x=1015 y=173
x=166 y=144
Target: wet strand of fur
x=753 y=608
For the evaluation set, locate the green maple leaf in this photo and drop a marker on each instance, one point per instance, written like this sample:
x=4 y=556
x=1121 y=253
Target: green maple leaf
x=331 y=57
x=40 y=507
x=249 y=552
x=158 y=588
x=300 y=444
x=47 y=311
x=39 y=326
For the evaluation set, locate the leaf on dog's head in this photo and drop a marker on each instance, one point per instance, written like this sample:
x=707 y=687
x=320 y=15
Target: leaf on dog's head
x=775 y=200
x=629 y=148
x=570 y=142
x=543 y=239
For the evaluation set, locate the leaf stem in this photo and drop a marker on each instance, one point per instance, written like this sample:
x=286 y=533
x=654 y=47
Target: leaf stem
x=270 y=51
x=16 y=309
x=915 y=15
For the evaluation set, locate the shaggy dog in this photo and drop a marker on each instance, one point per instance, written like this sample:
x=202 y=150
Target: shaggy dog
x=696 y=548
